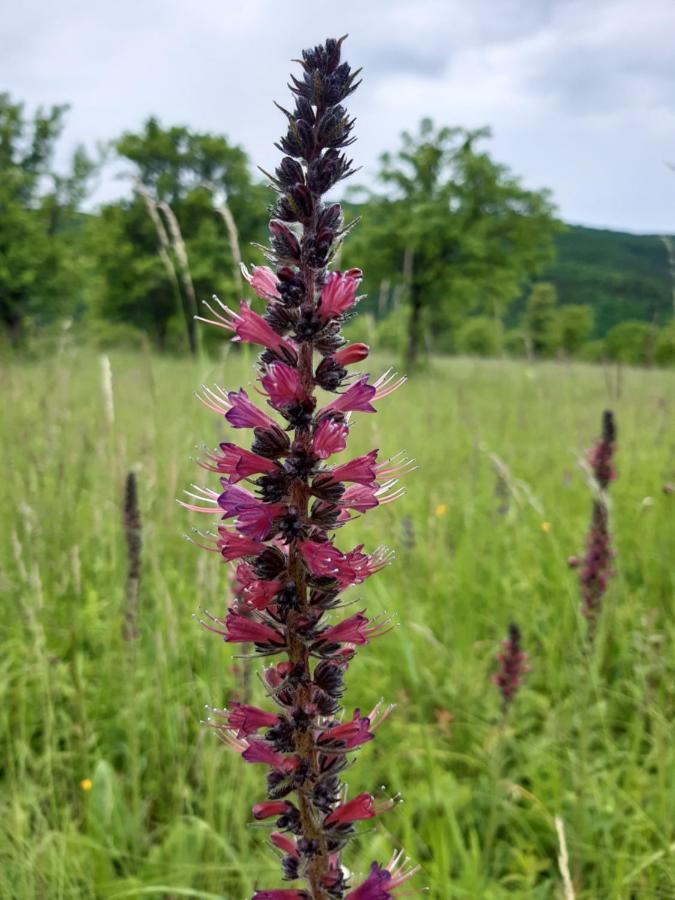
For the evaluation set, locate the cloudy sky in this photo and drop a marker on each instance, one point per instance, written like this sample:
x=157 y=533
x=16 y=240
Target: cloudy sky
x=580 y=94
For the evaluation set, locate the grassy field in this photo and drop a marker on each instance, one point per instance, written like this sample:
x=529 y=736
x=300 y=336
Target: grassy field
x=589 y=738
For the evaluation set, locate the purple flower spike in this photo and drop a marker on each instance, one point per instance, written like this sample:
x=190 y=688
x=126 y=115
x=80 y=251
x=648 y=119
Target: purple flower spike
x=278 y=530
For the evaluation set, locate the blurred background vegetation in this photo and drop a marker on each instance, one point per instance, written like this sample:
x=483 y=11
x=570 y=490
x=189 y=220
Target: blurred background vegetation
x=460 y=258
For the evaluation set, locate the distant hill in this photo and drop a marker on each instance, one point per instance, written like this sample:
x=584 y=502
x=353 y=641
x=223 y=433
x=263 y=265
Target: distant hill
x=622 y=276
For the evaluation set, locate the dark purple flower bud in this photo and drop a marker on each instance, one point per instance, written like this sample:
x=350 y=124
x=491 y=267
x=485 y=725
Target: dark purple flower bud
x=284 y=243
x=291 y=286
x=334 y=129
x=289 y=172
x=270 y=442
x=329 y=375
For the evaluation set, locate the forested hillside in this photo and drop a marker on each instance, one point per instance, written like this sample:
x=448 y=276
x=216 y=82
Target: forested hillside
x=621 y=276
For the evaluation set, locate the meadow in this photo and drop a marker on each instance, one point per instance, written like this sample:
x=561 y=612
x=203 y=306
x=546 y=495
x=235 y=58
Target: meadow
x=109 y=786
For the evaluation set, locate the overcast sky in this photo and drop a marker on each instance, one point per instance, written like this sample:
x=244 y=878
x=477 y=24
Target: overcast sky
x=580 y=94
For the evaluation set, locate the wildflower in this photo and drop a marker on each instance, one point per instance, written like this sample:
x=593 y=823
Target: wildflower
x=279 y=527
x=233 y=546
x=595 y=569
x=441 y=510
x=347 y=735
x=262 y=752
x=362 y=470
x=246 y=719
x=263 y=281
x=330 y=436
x=284 y=843
x=339 y=293
x=512 y=667
x=244 y=630
x=249 y=328
x=355 y=399
x=86 y=784
x=282 y=385
x=352 y=353
x=546 y=527
x=361 y=807
x=382 y=881
x=271 y=808
x=238 y=463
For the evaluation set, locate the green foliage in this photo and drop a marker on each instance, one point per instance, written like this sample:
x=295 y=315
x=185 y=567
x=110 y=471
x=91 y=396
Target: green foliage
x=664 y=347
x=630 y=343
x=197 y=175
x=575 y=326
x=620 y=276
x=40 y=273
x=542 y=325
x=588 y=738
x=455 y=228
x=478 y=336
x=449 y=244
x=515 y=342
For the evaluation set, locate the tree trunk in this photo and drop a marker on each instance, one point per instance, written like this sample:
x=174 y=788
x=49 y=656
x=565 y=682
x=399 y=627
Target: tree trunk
x=414 y=328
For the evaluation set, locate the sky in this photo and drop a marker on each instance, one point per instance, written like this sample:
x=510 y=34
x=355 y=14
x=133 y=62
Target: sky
x=580 y=94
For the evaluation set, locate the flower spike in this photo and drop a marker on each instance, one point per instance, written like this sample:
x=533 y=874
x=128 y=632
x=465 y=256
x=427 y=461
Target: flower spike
x=281 y=501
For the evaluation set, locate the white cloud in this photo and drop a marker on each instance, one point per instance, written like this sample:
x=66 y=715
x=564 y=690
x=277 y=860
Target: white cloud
x=580 y=95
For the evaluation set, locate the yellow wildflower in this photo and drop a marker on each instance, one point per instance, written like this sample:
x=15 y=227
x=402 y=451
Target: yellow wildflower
x=86 y=784
x=546 y=527
x=440 y=510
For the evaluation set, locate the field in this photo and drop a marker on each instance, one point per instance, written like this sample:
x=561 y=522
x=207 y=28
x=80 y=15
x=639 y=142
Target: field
x=109 y=786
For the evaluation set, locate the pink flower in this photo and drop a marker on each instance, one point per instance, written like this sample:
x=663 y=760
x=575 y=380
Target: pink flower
x=254 y=518
x=356 y=566
x=247 y=720
x=238 y=463
x=249 y=328
x=285 y=844
x=360 y=497
x=347 y=735
x=241 y=630
x=356 y=399
x=263 y=281
x=282 y=385
x=352 y=353
x=262 y=752
x=233 y=546
x=339 y=293
x=353 y=630
x=375 y=887
x=244 y=414
x=271 y=808
x=252 y=590
x=330 y=436
x=361 y=807
x=381 y=881
x=362 y=470
x=321 y=557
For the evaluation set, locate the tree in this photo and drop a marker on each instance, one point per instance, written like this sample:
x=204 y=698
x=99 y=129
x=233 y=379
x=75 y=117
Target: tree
x=629 y=342
x=477 y=336
x=39 y=219
x=179 y=233
x=456 y=228
x=575 y=325
x=664 y=350
x=541 y=320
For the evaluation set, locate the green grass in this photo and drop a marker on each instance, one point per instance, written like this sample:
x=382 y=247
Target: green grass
x=589 y=738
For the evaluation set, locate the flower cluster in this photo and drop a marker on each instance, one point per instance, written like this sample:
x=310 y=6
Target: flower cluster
x=278 y=530
x=596 y=566
x=513 y=666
